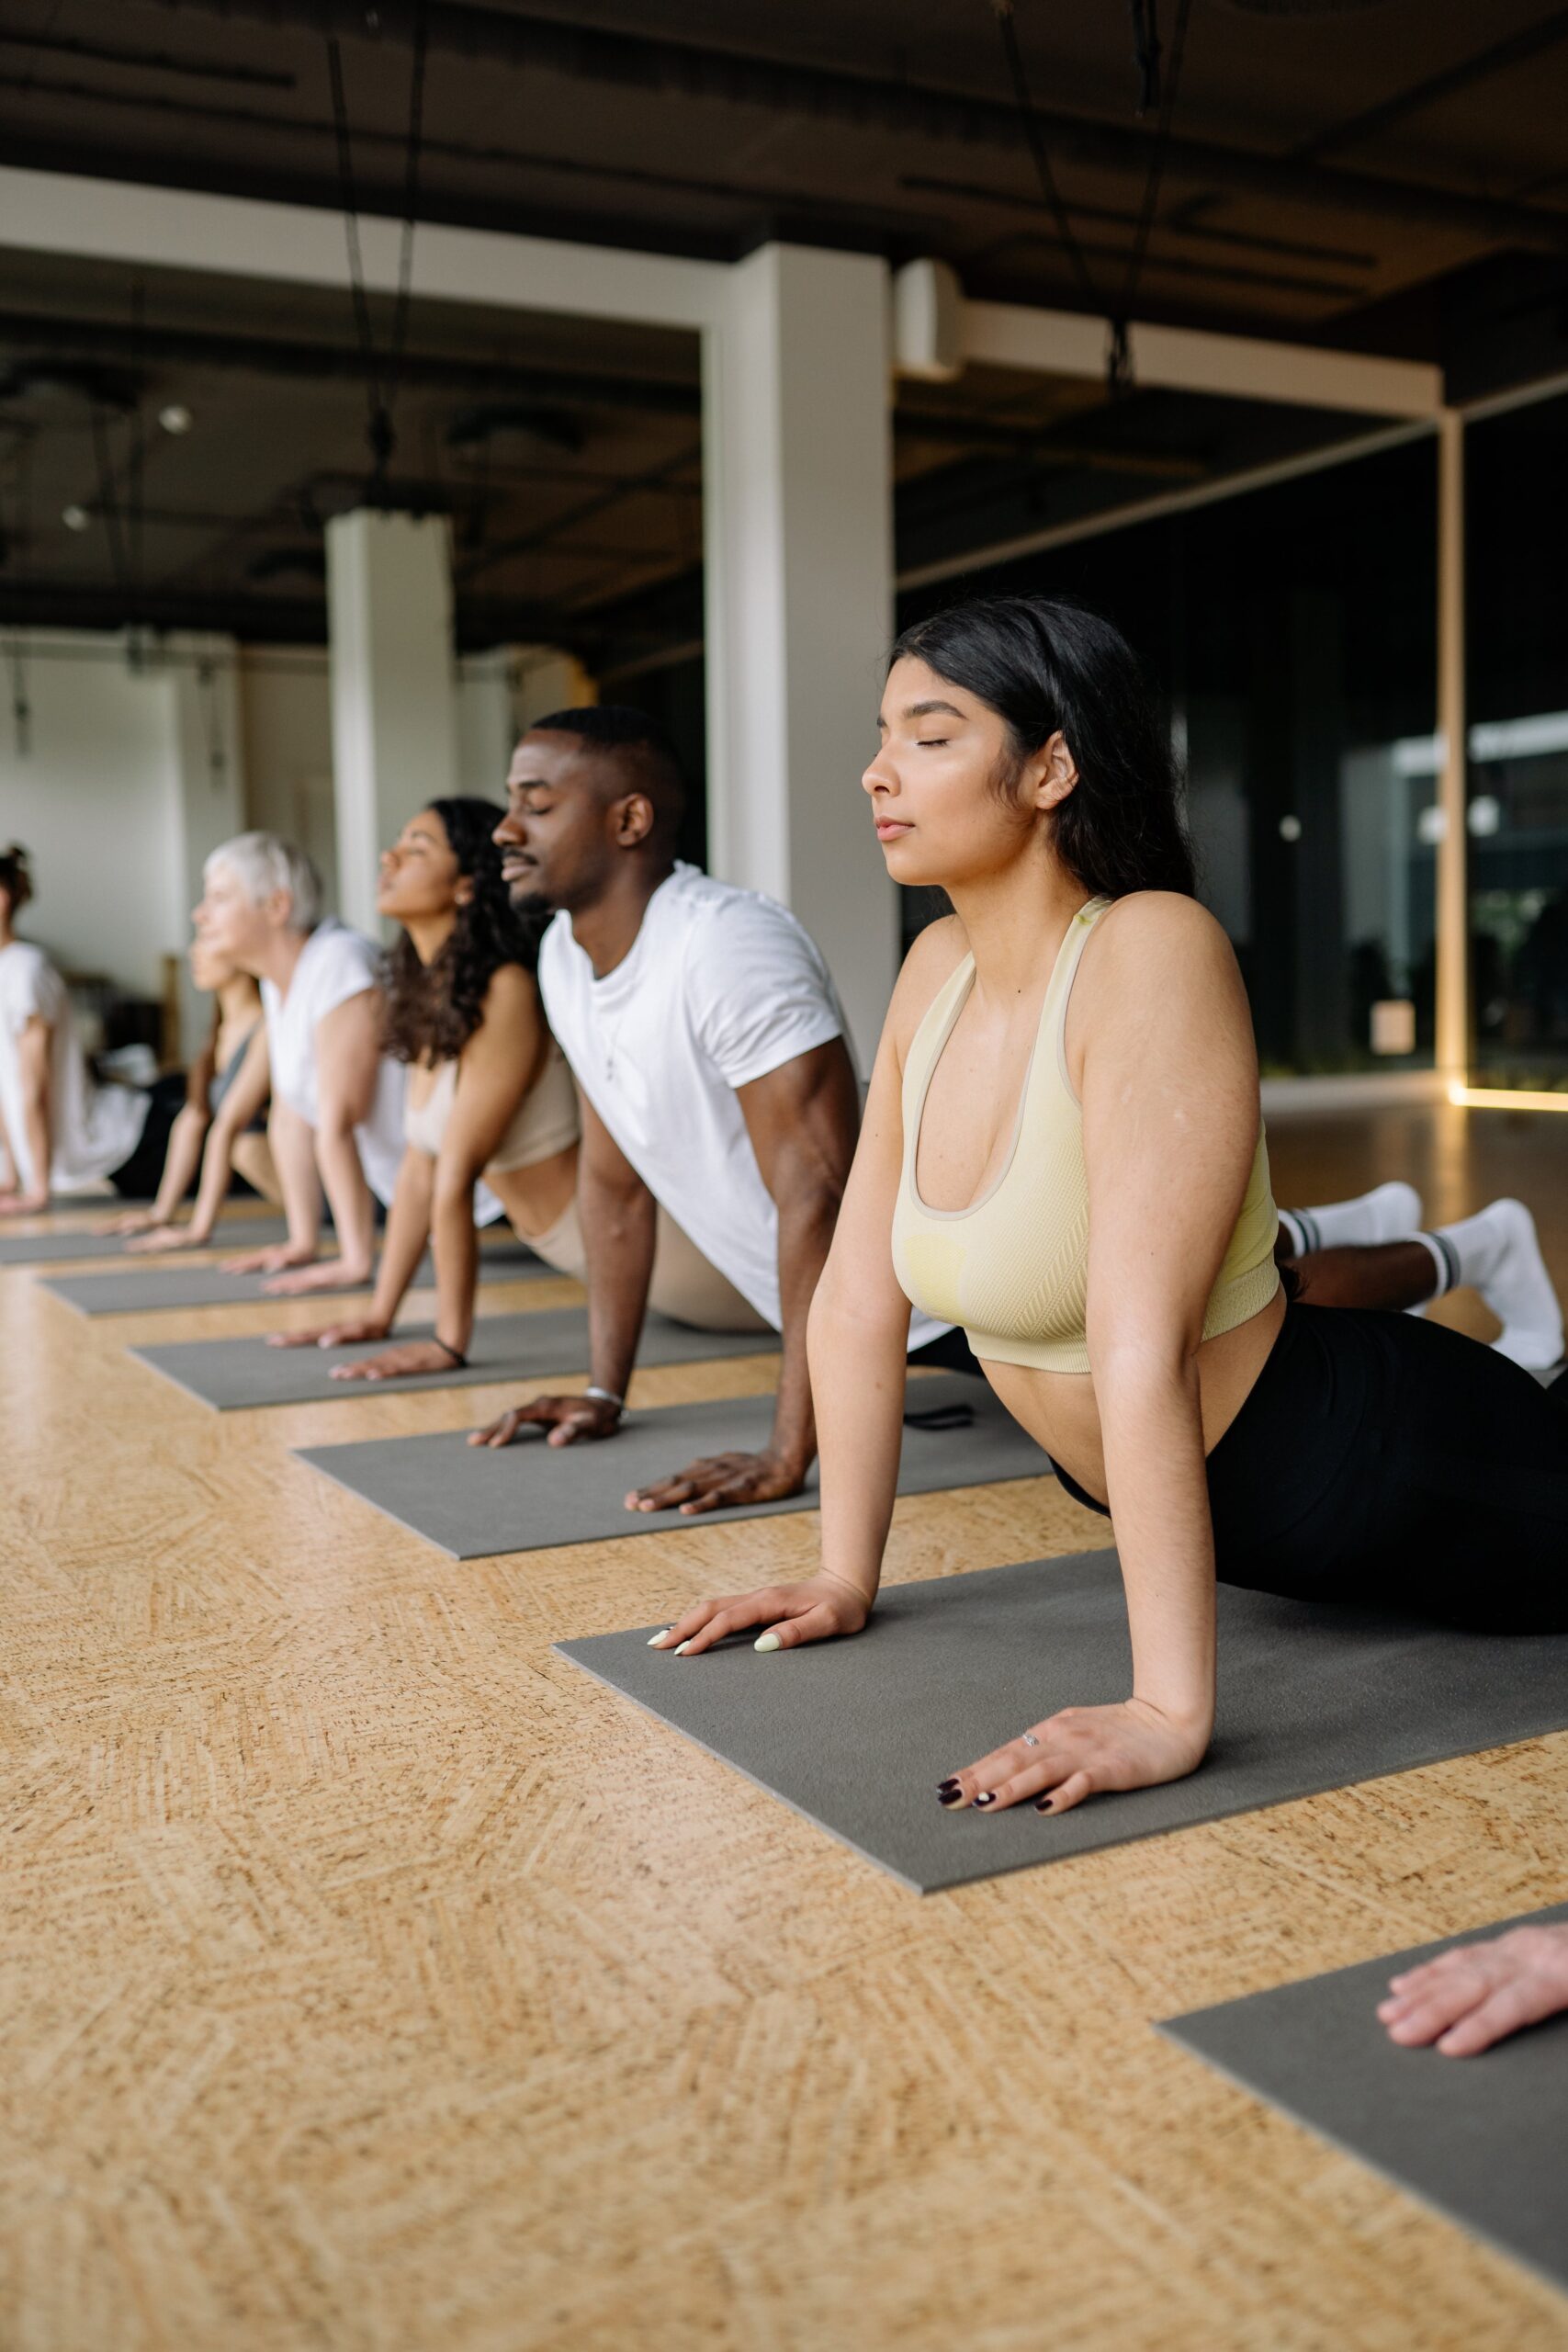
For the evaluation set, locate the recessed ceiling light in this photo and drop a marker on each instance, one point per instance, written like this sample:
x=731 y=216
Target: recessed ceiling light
x=76 y=518
x=175 y=418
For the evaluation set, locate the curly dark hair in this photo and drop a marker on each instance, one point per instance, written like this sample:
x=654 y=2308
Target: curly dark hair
x=433 y=1009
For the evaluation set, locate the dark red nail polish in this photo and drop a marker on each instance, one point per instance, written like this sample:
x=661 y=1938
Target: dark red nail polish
x=986 y=1796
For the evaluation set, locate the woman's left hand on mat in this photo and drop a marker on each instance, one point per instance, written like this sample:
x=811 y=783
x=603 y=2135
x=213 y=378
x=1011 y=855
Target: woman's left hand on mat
x=395 y=1364
x=155 y=1239
x=1079 y=1753
x=720 y=1481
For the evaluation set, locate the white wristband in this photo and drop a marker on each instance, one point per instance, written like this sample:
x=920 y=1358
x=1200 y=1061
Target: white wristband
x=606 y=1396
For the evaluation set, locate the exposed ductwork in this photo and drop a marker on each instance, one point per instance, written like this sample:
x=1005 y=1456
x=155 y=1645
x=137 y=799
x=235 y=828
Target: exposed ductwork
x=910 y=109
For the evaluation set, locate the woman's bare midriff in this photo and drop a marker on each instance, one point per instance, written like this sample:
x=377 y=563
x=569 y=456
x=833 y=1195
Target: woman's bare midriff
x=1059 y=1411
x=536 y=1198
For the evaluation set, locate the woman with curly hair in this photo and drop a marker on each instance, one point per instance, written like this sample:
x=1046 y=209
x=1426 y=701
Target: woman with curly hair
x=489 y=1096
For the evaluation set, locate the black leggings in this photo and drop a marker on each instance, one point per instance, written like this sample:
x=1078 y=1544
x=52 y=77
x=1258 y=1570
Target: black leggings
x=1385 y=1460
x=144 y=1172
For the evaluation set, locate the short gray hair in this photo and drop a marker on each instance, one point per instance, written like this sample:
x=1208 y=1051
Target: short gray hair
x=263 y=863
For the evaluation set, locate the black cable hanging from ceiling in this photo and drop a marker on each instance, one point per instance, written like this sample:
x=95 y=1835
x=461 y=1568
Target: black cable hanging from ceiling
x=380 y=376
x=1146 y=52
x=1035 y=140
x=1118 y=374
x=1120 y=367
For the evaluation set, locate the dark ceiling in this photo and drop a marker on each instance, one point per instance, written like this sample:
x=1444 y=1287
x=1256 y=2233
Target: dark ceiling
x=1386 y=174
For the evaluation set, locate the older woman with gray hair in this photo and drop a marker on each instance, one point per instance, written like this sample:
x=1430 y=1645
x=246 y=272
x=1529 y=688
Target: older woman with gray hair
x=336 y=1119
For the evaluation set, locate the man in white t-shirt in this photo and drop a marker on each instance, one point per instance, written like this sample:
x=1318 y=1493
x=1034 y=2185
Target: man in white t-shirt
x=710 y=1055
x=336 y=1117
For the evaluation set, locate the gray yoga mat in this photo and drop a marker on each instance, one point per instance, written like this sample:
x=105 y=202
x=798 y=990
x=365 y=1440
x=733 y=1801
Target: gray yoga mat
x=857 y=1734
x=232 y=1374
x=474 y=1501
x=149 y=1287
x=56 y=1248
x=1485 y=2140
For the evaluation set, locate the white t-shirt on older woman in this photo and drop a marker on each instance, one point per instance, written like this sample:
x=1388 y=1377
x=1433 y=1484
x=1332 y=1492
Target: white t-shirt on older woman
x=93 y=1129
x=719 y=987
x=335 y=963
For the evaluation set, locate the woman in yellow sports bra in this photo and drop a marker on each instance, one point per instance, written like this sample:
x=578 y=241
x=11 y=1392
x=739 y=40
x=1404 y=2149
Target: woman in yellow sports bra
x=1062 y=1151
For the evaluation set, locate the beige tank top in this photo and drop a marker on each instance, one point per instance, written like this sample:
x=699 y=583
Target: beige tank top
x=546 y=1122
x=1013 y=1266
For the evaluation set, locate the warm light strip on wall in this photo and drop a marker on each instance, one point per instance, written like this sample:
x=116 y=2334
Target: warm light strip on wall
x=1503 y=1098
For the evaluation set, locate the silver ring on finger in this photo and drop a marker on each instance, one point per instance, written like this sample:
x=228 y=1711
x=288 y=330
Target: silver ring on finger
x=1030 y=1740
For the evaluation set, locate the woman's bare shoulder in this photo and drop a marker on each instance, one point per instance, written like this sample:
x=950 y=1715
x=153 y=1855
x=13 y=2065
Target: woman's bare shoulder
x=512 y=991
x=1163 y=932
x=931 y=963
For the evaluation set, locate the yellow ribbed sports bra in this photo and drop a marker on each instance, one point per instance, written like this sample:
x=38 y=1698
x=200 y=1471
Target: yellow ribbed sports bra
x=1013 y=1267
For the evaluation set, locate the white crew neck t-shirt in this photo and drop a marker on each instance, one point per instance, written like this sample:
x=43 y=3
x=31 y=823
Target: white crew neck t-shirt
x=335 y=963
x=720 y=987
x=93 y=1129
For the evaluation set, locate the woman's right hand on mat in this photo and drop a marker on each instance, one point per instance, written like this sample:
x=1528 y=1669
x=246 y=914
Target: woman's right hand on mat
x=401 y=1362
x=790 y=1613
x=165 y=1237
x=336 y=1334
x=566 y=1418
x=1468 y=1998
x=269 y=1261
x=128 y=1221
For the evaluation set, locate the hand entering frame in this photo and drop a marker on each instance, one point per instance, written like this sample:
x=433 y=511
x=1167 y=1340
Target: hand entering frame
x=1468 y=1998
x=718 y=1482
x=566 y=1418
x=1081 y=1752
x=817 y=1610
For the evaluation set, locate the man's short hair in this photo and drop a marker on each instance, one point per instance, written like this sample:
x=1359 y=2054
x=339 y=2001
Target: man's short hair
x=617 y=727
x=263 y=863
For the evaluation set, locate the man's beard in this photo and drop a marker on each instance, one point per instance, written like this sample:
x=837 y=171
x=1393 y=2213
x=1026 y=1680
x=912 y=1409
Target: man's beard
x=528 y=901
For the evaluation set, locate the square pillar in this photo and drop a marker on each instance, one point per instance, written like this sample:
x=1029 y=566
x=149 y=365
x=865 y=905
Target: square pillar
x=393 y=689
x=799 y=524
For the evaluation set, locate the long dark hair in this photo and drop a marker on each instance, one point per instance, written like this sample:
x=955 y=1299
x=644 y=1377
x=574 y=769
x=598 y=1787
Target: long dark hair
x=1042 y=664
x=433 y=1009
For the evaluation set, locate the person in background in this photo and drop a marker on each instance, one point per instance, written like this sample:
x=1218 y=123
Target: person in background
x=221 y=1129
x=336 y=1119
x=1374 y=1252
x=59 y=1132
x=490 y=1098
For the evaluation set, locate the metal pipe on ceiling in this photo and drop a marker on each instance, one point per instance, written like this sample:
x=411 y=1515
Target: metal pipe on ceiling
x=276 y=356
x=674 y=68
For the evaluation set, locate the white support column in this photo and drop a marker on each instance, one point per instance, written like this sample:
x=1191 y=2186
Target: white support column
x=1453 y=896
x=393 y=687
x=798 y=493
